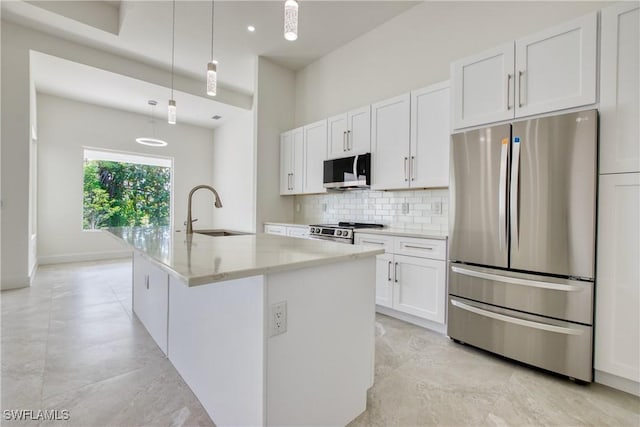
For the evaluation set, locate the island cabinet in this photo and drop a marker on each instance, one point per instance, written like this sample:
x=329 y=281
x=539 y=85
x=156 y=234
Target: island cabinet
x=552 y=70
x=410 y=278
x=151 y=298
x=410 y=139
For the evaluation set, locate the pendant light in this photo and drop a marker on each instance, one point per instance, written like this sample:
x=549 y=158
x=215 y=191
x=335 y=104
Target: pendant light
x=171 y=116
x=152 y=142
x=291 y=20
x=212 y=66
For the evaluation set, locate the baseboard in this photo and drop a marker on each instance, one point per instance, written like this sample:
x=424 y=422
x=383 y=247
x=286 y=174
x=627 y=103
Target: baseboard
x=428 y=324
x=619 y=383
x=86 y=256
x=15 y=283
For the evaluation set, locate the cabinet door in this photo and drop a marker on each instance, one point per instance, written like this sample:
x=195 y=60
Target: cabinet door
x=297 y=170
x=419 y=287
x=315 y=153
x=617 y=340
x=556 y=68
x=482 y=87
x=620 y=88
x=280 y=230
x=286 y=162
x=158 y=306
x=299 y=232
x=337 y=136
x=359 y=131
x=140 y=277
x=384 y=280
x=390 y=143
x=430 y=137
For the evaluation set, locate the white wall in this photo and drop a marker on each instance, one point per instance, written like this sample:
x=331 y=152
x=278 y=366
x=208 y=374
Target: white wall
x=64 y=128
x=414 y=49
x=274 y=113
x=234 y=174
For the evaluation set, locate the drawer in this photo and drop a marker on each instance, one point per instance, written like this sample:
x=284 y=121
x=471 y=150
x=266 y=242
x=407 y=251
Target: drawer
x=299 y=232
x=375 y=240
x=424 y=248
x=280 y=230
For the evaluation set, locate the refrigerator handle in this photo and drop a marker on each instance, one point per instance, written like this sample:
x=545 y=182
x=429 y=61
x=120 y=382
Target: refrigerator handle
x=502 y=195
x=515 y=185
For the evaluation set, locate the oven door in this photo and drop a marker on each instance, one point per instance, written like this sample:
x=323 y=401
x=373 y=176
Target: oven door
x=347 y=240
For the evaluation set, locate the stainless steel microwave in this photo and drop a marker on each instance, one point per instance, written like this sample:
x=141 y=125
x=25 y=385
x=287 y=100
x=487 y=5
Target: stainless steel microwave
x=348 y=172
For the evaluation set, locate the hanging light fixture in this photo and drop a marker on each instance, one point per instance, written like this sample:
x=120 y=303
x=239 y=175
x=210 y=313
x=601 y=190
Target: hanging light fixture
x=212 y=66
x=291 y=20
x=171 y=111
x=153 y=142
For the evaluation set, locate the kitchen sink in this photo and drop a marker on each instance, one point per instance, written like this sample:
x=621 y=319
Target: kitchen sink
x=220 y=233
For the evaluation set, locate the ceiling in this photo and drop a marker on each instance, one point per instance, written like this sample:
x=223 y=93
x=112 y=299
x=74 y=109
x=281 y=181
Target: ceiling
x=141 y=30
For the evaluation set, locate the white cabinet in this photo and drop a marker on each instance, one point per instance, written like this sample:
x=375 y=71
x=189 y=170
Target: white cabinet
x=410 y=276
x=410 y=139
x=617 y=329
x=280 y=230
x=151 y=298
x=349 y=133
x=620 y=88
x=300 y=231
x=551 y=70
x=315 y=153
x=390 y=143
x=291 y=161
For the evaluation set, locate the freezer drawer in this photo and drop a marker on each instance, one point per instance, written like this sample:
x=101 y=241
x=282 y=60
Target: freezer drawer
x=562 y=347
x=570 y=300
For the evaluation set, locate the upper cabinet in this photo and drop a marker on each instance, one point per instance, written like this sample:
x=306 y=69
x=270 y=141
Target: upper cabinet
x=349 y=133
x=552 y=70
x=315 y=153
x=620 y=88
x=410 y=139
x=291 y=161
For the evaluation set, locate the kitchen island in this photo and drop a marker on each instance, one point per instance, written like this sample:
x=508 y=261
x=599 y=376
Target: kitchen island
x=266 y=330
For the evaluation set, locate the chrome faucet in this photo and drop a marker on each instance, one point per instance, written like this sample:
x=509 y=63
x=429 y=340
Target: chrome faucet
x=217 y=204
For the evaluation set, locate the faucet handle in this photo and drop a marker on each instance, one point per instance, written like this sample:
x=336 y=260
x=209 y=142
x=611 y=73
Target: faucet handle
x=193 y=220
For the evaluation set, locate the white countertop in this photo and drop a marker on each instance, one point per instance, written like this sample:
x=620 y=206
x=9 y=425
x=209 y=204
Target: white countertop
x=200 y=259
x=404 y=232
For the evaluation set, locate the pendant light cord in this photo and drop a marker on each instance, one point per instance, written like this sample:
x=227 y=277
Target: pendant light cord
x=173 y=44
x=212 y=1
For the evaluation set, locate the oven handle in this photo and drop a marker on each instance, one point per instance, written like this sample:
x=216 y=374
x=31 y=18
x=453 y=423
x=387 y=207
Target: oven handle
x=515 y=320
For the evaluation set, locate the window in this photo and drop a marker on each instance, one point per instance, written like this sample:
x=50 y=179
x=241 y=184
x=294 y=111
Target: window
x=125 y=190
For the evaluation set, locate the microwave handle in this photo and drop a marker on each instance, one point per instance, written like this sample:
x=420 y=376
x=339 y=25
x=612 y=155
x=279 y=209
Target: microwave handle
x=355 y=168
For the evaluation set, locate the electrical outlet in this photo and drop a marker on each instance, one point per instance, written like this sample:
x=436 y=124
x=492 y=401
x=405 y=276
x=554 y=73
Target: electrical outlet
x=405 y=208
x=278 y=318
x=324 y=207
x=297 y=207
x=436 y=208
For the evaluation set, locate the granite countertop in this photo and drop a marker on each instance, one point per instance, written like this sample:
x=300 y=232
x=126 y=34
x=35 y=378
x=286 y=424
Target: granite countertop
x=200 y=259
x=405 y=232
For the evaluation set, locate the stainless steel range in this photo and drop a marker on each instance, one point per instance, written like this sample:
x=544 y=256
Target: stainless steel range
x=341 y=232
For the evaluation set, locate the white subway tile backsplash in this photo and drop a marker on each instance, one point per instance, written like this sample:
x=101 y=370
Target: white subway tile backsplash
x=385 y=207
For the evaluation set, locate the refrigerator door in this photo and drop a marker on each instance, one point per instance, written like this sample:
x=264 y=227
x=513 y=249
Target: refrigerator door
x=478 y=205
x=553 y=194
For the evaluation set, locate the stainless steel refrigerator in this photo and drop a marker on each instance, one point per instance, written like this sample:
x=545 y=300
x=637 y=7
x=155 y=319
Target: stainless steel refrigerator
x=522 y=241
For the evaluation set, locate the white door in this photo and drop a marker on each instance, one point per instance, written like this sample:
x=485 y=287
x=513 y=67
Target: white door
x=482 y=87
x=359 y=131
x=390 y=143
x=337 y=135
x=620 y=88
x=419 y=287
x=384 y=280
x=430 y=135
x=617 y=329
x=286 y=162
x=297 y=171
x=315 y=153
x=556 y=68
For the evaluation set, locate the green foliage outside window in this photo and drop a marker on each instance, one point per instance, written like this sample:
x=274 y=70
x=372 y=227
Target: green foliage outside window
x=125 y=194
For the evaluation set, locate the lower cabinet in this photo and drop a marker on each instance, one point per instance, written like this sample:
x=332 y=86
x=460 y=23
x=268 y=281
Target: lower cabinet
x=410 y=276
x=300 y=231
x=151 y=298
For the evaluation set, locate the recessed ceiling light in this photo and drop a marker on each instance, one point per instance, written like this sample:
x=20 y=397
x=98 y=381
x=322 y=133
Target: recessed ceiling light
x=251 y=28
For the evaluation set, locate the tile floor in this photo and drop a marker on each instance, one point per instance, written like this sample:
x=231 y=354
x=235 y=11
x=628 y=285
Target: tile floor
x=71 y=342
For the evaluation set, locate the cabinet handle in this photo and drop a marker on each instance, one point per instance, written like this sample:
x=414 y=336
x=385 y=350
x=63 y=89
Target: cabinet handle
x=412 y=168
x=395 y=272
x=389 y=272
x=349 y=141
x=146 y=280
x=520 y=102
x=372 y=242
x=508 y=92
x=427 y=248
x=344 y=141
x=292 y=181
x=406 y=177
